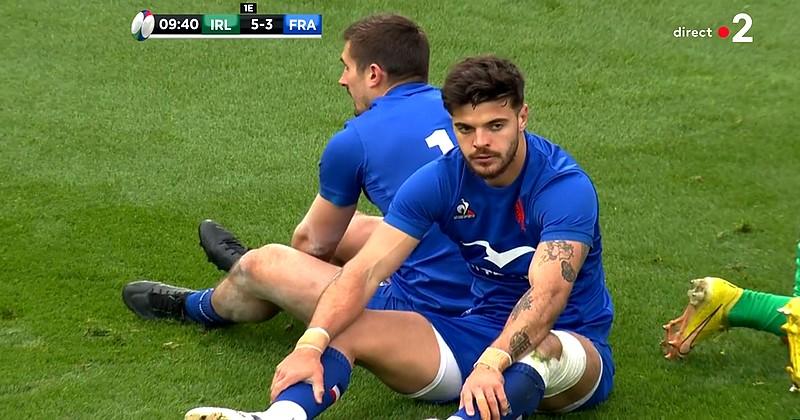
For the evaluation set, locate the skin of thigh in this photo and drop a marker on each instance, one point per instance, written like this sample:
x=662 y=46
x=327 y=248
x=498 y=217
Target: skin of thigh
x=274 y=275
x=357 y=233
x=399 y=347
x=584 y=385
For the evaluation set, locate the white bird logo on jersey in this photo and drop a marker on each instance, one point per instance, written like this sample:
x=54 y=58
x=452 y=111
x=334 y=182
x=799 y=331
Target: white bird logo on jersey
x=501 y=259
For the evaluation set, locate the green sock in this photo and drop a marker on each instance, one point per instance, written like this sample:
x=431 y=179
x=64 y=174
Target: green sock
x=759 y=311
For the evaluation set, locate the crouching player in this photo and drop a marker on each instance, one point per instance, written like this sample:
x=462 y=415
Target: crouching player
x=525 y=217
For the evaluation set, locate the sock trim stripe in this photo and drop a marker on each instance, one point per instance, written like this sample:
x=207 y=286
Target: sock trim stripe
x=200 y=305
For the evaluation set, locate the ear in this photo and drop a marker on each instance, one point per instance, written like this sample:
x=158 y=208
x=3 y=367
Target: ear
x=375 y=75
x=523 y=117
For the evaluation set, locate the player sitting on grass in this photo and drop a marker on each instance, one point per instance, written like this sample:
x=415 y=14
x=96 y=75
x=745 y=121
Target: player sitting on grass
x=716 y=305
x=536 y=338
x=401 y=124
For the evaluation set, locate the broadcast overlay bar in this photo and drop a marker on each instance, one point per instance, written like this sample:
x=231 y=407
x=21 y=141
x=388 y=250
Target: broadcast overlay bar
x=227 y=26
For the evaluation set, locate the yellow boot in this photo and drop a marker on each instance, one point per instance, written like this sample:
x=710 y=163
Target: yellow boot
x=792 y=328
x=710 y=300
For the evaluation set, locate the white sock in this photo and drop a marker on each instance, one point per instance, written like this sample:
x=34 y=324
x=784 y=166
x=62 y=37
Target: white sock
x=284 y=410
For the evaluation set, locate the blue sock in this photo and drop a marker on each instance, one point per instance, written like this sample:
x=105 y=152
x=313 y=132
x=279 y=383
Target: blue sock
x=199 y=309
x=336 y=378
x=524 y=389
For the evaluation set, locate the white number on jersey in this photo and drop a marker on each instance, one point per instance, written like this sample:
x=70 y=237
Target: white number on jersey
x=440 y=139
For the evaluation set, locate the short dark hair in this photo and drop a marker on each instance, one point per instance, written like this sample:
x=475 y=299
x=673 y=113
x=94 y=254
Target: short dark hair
x=482 y=79
x=394 y=42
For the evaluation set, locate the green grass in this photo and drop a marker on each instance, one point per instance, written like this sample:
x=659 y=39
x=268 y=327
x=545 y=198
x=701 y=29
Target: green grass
x=111 y=152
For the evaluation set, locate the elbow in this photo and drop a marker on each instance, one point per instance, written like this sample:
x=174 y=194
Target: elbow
x=303 y=241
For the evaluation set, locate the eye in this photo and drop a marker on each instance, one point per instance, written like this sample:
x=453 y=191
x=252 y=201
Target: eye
x=497 y=126
x=464 y=129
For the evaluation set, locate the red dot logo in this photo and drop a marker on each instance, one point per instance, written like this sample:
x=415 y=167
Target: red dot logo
x=723 y=32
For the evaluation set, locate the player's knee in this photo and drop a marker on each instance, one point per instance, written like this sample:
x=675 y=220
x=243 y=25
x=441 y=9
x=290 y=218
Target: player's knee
x=254 y=267
x=570 y=379
x=560 y=373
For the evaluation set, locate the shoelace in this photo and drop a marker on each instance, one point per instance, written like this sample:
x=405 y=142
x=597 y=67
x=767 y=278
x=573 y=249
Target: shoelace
x=168 y=301
x=233 y=246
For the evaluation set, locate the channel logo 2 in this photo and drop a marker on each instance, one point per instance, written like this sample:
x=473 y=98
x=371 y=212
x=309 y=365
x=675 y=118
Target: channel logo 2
x=748 y=22
x=722 y=32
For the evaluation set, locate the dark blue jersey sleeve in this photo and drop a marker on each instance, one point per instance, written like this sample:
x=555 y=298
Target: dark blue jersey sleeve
x=419 y=202
x=567 y=209
x=341 y=168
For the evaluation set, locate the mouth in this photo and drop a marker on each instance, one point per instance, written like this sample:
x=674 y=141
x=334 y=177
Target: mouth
x=482 y=159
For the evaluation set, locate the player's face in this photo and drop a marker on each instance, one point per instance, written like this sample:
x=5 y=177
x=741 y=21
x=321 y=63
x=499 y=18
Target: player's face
x=489 y=136
x=354 y=81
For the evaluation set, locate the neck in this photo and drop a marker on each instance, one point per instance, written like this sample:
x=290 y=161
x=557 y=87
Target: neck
x=515 y=168
x=389 y=86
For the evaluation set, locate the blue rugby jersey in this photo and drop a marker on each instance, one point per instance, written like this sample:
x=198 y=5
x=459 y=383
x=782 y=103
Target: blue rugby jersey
x=498 y=229
x=375 y=153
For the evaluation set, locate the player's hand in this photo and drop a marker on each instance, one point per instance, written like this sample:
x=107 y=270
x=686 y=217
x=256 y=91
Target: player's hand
x=484 y=387
x=301 y=365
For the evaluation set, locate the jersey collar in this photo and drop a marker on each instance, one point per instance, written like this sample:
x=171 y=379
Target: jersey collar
x=406 y=89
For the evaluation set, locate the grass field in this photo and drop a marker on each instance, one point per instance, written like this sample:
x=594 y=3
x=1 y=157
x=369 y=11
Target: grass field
x=111 y=152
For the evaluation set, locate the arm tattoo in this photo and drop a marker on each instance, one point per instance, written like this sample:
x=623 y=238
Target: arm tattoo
x=556 y=250
x=568 y=272
x=524 y=304
x=564 y=252
x=519 y=344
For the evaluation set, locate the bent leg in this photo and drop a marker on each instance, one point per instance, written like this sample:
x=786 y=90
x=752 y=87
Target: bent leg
x=271 y=278
x=400 y=348
x=574 y=374
x=564 y=376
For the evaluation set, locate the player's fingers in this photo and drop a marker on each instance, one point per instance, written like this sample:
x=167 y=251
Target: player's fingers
x=275 y=390
x=466 y=401
x=483 y=405
x=491 y=401
x=281 y=384
x=275 y=379
x=502 y=400
x=279 y=374
x=317 y=385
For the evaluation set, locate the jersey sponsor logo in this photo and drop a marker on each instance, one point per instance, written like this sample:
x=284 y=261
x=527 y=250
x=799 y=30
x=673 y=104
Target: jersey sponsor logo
x=463 y=211
x=501 y=259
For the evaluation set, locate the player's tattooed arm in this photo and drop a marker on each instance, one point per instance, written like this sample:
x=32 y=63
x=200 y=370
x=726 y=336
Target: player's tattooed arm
x=554 y=250
x=524 y=304
x=552 y=274
x=563 y=252
x=567 y=272
x=520 y=344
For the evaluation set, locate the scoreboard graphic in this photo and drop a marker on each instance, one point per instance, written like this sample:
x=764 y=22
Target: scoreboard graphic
x=247 y=24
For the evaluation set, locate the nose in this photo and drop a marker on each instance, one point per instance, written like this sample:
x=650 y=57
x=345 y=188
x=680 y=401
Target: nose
x=482 y=139
x=342 y=82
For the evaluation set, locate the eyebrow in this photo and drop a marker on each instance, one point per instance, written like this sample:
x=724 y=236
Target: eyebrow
x=494 y=121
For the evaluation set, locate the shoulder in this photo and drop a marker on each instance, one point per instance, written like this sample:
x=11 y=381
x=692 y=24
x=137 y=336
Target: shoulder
x=450 y=165
x=347 y=138
x=550 y=164
x=438 y=178
x=343 y=150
